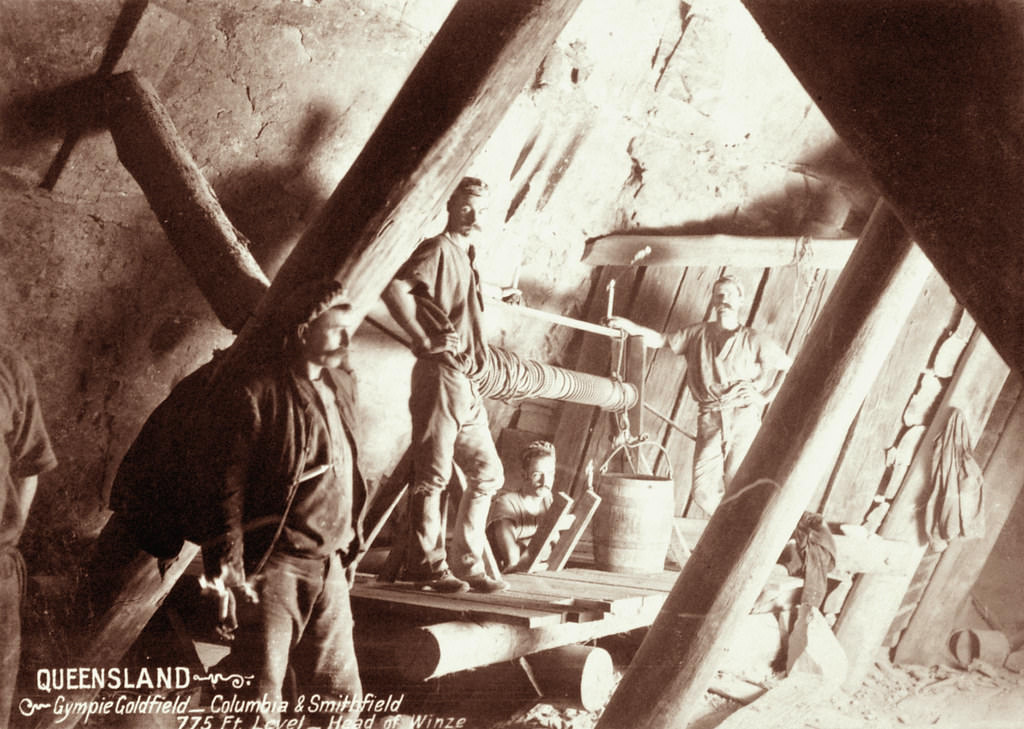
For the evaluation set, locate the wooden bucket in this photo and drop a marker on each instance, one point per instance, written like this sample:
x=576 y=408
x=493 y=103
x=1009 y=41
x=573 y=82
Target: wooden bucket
x=633 y=525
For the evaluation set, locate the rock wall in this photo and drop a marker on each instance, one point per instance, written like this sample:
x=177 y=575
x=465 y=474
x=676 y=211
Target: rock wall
x=653 y=114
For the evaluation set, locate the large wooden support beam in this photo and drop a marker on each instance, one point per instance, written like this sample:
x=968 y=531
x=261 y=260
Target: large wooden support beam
x=929 y=94
x=480 y=60
x=441 y=649
x=874 y=600
x=793 y=451
x=641 y=249
x=925 y=639
x=212 y=249
x=143 y=591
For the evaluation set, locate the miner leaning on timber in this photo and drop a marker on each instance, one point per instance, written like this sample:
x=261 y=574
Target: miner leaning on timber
x=289 y=505
x=25 y=453
x=437 y=299
x=733 y=372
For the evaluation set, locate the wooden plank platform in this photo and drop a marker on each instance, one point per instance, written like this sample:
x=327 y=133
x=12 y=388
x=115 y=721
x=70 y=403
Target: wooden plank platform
x=582 y=593
x=438 y=634
x=611 y=598
x=536 y=599
x=419 y=634
x=475 y=606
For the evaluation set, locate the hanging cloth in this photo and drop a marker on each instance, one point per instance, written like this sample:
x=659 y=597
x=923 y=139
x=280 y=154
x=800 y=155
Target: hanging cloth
x=811 y=555
x=955 y=506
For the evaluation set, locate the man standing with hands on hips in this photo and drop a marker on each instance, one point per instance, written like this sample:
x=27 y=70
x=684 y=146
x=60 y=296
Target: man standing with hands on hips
x=733 y=372
x=437 y=299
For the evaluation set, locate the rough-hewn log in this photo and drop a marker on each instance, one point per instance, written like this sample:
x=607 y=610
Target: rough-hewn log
x=874 y=599
x=444 y=648
x=941 y=130
x=639 y=249
x=143 y=591
x=581 y=673
x=212 y=249
x=793 y=451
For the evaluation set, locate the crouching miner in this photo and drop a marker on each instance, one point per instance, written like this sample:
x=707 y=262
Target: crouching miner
x=289 y=501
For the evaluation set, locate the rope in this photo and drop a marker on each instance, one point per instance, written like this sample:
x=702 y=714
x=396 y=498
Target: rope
x=506 y=376
x=801 y=249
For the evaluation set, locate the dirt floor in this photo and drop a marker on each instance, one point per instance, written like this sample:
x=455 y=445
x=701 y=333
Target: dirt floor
x=913 y=697
x=891 y=697
x=937 y=696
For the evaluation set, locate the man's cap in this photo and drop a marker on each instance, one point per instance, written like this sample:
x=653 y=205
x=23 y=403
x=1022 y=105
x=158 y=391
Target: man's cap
x=728 y=278
x=470 y=186
x=308 y=301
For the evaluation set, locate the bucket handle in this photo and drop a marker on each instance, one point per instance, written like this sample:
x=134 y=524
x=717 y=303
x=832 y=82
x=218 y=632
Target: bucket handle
x=637 y=443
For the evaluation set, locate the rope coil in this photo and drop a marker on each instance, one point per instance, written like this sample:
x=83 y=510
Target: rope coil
x=507 y=376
